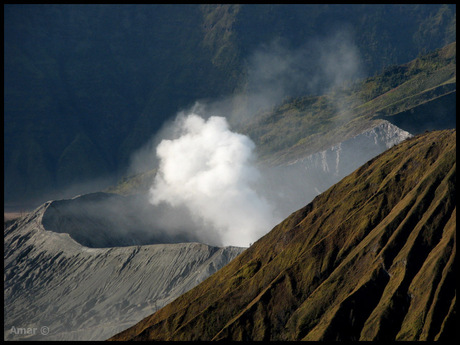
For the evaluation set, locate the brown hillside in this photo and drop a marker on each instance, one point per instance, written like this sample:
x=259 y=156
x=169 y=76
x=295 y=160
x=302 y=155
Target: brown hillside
x=372 y=258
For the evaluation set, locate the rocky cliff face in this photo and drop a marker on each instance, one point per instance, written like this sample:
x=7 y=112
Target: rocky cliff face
x=340 y=160
x=83 y=293
x=305 y=178
x=371 y=258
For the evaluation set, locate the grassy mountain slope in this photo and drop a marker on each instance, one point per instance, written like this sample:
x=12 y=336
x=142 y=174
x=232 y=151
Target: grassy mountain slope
x=372 y=258
x=405 y=95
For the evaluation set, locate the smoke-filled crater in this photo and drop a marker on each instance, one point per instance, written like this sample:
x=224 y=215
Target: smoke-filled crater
x=103 y=220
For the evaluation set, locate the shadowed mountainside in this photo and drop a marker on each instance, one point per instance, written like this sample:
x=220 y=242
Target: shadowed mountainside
x=87 y=85
x=372 y=258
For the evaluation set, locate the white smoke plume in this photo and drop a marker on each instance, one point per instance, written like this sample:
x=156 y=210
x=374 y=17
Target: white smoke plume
x=207 y=178
x=210 y=170
x=277 y=71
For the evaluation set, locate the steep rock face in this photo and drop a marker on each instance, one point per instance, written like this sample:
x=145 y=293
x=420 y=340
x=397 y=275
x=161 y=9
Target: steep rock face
x=86 y=293
x=372 y=258
x=314 y=174
x=342 y=159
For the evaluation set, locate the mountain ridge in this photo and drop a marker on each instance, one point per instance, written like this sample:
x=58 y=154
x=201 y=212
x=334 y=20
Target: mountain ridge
x=339 y=270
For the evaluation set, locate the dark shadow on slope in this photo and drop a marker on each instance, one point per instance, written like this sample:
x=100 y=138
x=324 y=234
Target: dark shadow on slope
x=437 y=114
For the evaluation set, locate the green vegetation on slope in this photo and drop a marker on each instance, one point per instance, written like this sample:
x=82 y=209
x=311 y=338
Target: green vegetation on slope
x=308 y=124
x=372 y=258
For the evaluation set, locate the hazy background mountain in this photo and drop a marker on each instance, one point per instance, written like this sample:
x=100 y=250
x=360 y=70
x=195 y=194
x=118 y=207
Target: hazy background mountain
x=88 y=85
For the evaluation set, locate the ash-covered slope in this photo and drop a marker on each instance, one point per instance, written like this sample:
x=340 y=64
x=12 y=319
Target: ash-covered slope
x=372 y=258
x=92 y=293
